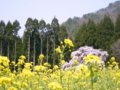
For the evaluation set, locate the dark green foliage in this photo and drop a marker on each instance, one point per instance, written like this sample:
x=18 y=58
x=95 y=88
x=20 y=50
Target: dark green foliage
x=44 y=38
x=9 y=31
x=91 y=33
x=72 y=26
x=2 y=31
x=2 y=28
x=29 y=30
x=117 y=29
x=16 y=27
x=62 y=33
x=86 y=35
x=54 y=38
x=98 y=36
x=42 y=26
x=8 y=37
x=105 y=31
x=80 y=36
x=115 y=47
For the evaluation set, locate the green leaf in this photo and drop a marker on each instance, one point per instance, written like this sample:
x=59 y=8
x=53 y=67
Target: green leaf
x=94 y=80
x=91 y=72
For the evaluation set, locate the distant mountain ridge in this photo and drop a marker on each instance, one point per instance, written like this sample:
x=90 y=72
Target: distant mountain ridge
x=72 y=24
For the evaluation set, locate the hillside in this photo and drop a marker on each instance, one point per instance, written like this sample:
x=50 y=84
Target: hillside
x=72 y=24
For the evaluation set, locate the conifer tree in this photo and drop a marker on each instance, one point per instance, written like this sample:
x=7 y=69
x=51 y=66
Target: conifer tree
x=35 y=32
x=16 y=27
x=62 y=33
x=48 y=27
x=80 y=36
x=117 y=29
x=8 y=36
x=91 y=33
x=104 y=32
x=42 y=25
x=55 y=29
x=2 y=30
x=29 y=30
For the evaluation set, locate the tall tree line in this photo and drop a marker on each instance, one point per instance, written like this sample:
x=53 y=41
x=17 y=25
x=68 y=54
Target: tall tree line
x=41 y=38
x=101 y=35
x=38 y=38
x=10 y=42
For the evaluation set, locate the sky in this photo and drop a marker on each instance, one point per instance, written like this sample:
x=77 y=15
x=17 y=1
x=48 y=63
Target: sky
x=21 y=10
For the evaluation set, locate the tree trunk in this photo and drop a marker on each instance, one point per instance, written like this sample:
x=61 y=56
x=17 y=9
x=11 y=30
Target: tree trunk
x=1 y=48
x=15 y=54
x=8 y=49
x=29 y=49
x=41 y=44
x=54 y=51
x=47 y=48
x=34 y=53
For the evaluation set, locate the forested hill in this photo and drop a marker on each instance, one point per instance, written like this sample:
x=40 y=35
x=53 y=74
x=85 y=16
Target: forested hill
x=72 y=24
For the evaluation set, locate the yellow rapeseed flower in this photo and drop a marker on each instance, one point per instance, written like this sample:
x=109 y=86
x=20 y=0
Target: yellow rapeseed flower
x=62 y=62
x=61 y=56
x=92 y=59
x=68 y=73
x=4 y=60
x=112 y=59
x=58 y=50
x=18 y=83
x=22 y=57
x=54 y=86
x=20 y=61
x=5 y=80
x=12 y=88
x=39 y=68
x=114 y=63
x=68 y=42
x=1 y=67
x=46 y=64
x=50 y=70
x=24 y=84
x=27 y=65
x=72 y=56
x=118 y=82
x=41 y=57
x=13 y=62
x=75 y=62
x=83 y=67
x=61 y=42
x=55 y=67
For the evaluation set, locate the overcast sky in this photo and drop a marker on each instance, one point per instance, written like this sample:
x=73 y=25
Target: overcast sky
x=21 y=10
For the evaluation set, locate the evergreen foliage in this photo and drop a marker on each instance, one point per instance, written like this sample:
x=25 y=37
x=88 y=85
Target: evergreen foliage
x=117 y=29
x=79 y=36
x=98 y=36
x=115 y=47
x=91 y=33
x=105 y=30
x=2 y=31
x=44 y=38
x=41 y=38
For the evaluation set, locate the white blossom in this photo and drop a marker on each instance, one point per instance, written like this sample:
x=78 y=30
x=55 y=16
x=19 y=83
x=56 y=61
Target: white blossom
x=84 y=51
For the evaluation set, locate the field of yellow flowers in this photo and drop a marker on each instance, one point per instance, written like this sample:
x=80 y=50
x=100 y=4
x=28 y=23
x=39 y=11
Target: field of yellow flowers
x=90 y=76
